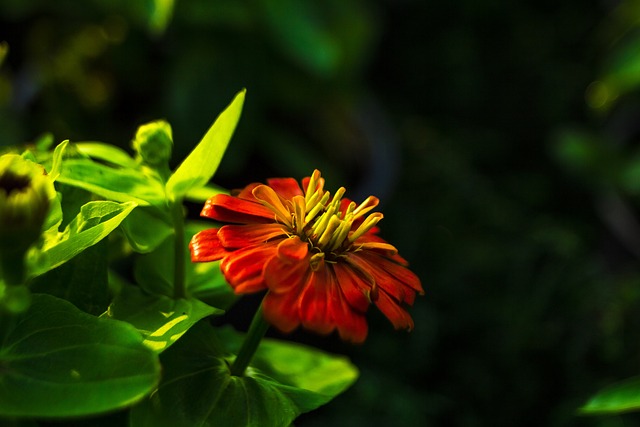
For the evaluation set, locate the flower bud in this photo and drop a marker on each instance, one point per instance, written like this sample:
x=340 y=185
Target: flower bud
x=153 y=144
x=25 y=196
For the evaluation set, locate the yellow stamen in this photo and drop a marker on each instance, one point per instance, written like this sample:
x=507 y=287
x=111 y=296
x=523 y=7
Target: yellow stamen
x=366 y=225
x=369 y=203
x=327 y=234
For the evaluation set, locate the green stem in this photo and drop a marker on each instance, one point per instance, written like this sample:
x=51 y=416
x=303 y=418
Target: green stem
x=179 y=286
x=12 y=268
x=256 y=331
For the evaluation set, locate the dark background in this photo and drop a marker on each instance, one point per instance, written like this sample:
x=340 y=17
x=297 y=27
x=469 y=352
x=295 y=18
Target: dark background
x=502 y=138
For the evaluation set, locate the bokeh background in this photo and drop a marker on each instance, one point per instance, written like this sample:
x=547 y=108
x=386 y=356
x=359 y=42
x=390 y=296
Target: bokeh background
x=502 y=137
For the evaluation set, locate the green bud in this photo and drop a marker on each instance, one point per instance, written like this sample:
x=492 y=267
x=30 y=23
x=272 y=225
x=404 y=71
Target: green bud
x=153 y=144
x=25 y=196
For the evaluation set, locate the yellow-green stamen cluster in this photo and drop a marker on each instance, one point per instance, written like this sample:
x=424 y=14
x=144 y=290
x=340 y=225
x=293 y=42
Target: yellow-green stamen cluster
x=317 y=217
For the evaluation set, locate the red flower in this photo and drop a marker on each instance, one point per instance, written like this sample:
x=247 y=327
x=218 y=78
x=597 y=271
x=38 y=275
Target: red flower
x=319 y=257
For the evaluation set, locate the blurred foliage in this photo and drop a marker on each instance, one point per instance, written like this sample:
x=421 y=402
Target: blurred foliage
x=501 y=136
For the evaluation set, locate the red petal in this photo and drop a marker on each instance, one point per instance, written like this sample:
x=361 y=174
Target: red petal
x=392 y=310
x=243 y=268
x=313 y=311
x=281 y=310
x=247 y=192
x=282 y=276
x=351 y=324
x=205 y=246
x=395 y=279
x=293 y=250
x=240 y=236
x=286 y=188
x=222 y=207
x=353 y=286
x=400 y=272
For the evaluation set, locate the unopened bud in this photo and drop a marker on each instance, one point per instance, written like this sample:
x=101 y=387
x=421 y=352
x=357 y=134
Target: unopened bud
x=153 y=143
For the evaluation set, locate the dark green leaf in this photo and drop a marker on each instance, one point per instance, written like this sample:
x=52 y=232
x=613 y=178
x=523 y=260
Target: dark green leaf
x=60 y=362
x=160 y=319
x=82 y=281
x=284 y=381
x=146 y=228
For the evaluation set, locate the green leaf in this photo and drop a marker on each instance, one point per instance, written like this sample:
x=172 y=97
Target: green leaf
x=146 y=228
x=83 y=281
x=107 y=153
x=201 y=164
x=120 y=185
x=56 y=161
x=299 y=31
x=161 y=320
x=60 y=362
x=620 y=397
x=284 y=381
x=202 y=194
x=94 y=222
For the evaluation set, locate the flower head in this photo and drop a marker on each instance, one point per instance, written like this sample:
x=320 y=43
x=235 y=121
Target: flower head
x=318 y=255
x=25 y=195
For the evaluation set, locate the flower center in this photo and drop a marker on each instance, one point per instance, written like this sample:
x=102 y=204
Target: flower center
x=324 y=221
x=10 y=183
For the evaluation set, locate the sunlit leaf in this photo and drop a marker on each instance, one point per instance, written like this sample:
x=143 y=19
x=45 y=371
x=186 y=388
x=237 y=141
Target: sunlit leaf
x=283 y=381
x=201 y=194
x=107 y=153
x=201 y=164
x=120 y=185
x=94 y=222
x=620 y=397
x=161 y=320
x=60 y=362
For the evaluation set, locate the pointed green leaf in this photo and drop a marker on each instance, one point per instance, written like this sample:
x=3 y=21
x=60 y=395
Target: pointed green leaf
x=161 y=320
x=283 y=381
x=94 y=222
x=620 y=397
x=202 y=194
x=107 y=153
x=120 y=185
x=201 y=164
x=60 y=362
x=56 y=162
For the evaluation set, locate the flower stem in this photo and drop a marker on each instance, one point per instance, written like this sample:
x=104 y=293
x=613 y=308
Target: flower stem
x=256 y=331
x=179 y=286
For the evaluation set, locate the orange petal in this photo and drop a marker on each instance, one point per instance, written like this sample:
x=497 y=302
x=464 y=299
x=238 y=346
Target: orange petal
x=265 y=195
x=286 y=188
x=240 y=236
x=313 y=309
x=243 y=268
x=205 y=246
x=353 y=286
x=293 y=250
x=281 y=311
x=282 y=276
x=394 y=312
x=222 y=207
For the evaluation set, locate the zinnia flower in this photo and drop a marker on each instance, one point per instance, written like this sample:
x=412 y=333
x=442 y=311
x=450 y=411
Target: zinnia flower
x=319 y=256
